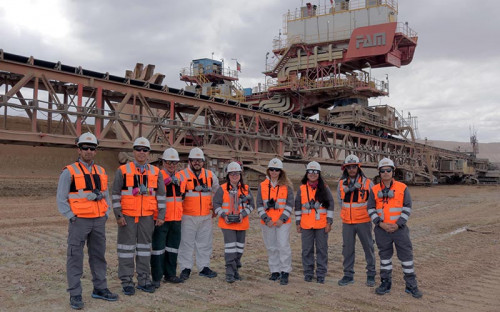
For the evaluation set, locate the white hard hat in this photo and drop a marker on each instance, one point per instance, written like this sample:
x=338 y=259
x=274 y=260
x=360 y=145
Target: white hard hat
x=313 y=165
x=275 y=163
x=196 y=153
x=233 y=167
x=142 y=141
x=386 y=162
x=171 y=154
x=351 y=160
x=87 y=138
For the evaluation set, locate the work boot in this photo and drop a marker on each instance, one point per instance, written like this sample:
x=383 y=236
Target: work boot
x=149 y=288
x=76 y=302
x=284 y=278
x=173 y=279
x=128 y=290
x=346 y=280
x=230 y=278
x=237 y=276
x=414 y=291
x=320 y=279
x=370 y=281
x=157 y=284
x=308 y=278
x=185 y=274
x=385 y=287
x=104 y=294
x=206 y=272
x=274 y=276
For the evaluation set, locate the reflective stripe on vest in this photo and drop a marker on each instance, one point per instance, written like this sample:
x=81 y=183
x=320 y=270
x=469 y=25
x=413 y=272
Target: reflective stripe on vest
x=140 y=204
x=353 y=212
x=173 y=202
x=78 y=202
x=196 y=203
x=245 y=223
x=390 y=209
x=311 y=218
x=279 y=194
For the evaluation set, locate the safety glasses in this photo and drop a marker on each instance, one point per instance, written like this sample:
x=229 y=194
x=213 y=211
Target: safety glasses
x=169 y=162
x=236 y=173
x=312 y=171
x=351 y=167
x=275 y=169
x=141 y=149
x=86 y=148
x=385 y=170
x=196 y=160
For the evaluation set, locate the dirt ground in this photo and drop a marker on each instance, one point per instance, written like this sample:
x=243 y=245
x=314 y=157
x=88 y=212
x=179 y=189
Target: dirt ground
x=455 y=232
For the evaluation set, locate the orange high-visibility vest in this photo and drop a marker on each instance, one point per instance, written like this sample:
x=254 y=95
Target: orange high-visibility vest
x=83 y=183
x=279 y=194
x=245 y=224
x=196 y=203
x=174 y=200
x=389 y=209
x=354 y=207
x=139 y=205
x=311 y=218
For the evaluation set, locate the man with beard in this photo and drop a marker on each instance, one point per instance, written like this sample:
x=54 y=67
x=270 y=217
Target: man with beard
x=196 y=226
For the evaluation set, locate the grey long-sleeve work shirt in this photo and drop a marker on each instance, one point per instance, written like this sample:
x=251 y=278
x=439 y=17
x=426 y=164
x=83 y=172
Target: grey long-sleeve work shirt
x=117 y=194
x=63 y=188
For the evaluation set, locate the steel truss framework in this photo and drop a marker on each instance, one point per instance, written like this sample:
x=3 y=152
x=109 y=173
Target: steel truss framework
x=63 y=104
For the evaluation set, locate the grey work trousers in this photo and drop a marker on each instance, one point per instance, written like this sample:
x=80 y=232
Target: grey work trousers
x=92 y=231
x=166 y=240
x=134 y=241
x=401 y=239
x=234 y=243
x=364 y=233
x=314 y=238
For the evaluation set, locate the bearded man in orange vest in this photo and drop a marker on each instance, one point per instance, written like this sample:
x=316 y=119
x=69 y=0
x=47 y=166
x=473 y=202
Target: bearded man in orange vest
x=389 y=207
x=199 y=185
x=82 y=197
x=352 y=191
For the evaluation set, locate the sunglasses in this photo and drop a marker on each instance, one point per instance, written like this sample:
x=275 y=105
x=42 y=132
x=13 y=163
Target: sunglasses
x=141 y=149
x=275 y=169
x=312 y=171
x=169 y=162
x=86 y=148
x=385 y=170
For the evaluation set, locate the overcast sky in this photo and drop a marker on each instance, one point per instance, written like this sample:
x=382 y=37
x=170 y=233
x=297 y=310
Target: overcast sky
x=451 y=85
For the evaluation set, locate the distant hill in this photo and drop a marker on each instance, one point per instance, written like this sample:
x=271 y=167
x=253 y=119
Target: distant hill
x=486 y=150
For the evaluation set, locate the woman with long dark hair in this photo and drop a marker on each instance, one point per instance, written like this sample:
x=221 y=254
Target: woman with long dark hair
x=314 y=218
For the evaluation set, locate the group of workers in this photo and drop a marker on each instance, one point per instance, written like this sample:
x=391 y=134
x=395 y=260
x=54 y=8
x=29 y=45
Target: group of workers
x=164 y=217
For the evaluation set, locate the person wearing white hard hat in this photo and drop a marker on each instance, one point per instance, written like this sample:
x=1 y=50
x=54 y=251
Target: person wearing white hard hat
x=167 y=237
x=314 y=217
x=82 y=197
x=274 y=205
x=199 y=184
x=352 y=191
x=389 y=207
x=138 y=193
x=233 y=202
